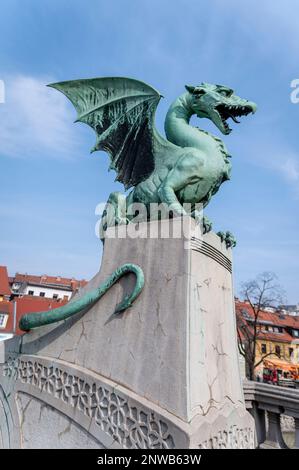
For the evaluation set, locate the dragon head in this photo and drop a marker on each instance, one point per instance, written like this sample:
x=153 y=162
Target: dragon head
x=218 y=103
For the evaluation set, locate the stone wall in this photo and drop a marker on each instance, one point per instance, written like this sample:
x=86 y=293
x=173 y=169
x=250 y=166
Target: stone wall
x=164 y=374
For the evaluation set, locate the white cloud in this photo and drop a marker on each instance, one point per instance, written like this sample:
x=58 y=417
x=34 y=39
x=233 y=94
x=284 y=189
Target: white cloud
x=271 y=151
x=36 y=121
x=290 y=169
x=286 y=163
x=271 y=25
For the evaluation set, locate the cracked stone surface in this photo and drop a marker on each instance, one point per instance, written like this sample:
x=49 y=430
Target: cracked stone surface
x=41 y=424
x=175 y=348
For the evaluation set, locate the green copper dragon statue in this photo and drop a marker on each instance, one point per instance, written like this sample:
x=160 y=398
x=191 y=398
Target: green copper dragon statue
x=186 y=167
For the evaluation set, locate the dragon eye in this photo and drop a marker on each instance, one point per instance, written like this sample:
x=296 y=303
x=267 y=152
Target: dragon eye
x=198 y=93
x=226 y=93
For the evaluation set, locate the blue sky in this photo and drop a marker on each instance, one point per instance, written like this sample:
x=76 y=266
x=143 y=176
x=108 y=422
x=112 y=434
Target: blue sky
x=51 y=185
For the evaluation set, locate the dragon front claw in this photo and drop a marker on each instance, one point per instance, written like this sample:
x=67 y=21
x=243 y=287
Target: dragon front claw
x=228 y=238
x=202 y=220
x=206 y=225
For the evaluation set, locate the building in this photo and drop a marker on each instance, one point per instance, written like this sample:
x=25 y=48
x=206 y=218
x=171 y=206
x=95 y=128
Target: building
x=5 y=306
x=290 y=309
x=6 y=320
x=5 y=291
x=12 y=311
x=27 y=304
x=24 y=293
x=50 y=287
x=277 y=334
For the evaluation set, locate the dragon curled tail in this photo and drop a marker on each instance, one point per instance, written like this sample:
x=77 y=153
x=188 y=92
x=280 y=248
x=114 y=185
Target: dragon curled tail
x=34 y=320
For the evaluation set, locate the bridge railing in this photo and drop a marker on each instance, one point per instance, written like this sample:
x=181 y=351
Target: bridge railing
x=270 y=406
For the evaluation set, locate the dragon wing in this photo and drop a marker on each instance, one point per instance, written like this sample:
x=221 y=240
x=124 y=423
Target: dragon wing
x=121 y=111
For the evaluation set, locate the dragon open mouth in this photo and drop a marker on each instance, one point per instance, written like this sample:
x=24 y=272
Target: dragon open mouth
x=226 y=112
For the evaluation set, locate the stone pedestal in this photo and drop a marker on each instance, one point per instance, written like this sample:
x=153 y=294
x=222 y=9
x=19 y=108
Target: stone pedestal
x=164 y=374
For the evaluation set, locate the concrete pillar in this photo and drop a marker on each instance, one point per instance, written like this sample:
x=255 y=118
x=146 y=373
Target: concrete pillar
x=260 y=423
x=164 y=374
x=274 y=439
x=297 y=433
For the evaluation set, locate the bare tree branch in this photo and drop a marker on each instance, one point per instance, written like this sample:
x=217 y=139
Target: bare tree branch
x=260 y=293
x=264 y=357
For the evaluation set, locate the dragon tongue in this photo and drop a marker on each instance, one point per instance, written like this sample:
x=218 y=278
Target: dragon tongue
x=234 y=119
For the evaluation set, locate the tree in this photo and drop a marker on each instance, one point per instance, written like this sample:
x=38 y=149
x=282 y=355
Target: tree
x=260 y=293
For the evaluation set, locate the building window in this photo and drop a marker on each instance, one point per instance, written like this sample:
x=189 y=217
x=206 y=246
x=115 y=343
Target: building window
x=296 y=333
x=277 y=350
x=264 y=348
x=291 y=350
x=55 y=296
x=42 y=294
x=245 y=314
x=30 y=292
x=3 y=320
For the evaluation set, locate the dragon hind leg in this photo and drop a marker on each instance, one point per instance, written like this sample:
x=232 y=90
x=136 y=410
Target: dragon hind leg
x=114 y=213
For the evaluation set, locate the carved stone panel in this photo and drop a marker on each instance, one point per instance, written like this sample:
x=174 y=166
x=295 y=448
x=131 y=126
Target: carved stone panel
x=127 y=422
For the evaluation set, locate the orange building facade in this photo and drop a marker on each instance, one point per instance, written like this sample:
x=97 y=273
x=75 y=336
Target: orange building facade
x=277 y=336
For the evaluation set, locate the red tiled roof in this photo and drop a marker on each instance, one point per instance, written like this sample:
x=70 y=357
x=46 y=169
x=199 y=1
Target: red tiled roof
x=4 y=284
x=29 y=304
x=5 y=306
x=287 y=320
x=26 y=304
x=271 y=319
x=278 y=337
x=45 y=280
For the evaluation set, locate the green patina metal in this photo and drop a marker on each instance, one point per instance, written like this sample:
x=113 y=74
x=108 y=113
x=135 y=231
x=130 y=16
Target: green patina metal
x=228 y=238
x=34 y=320
x=188 y=166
